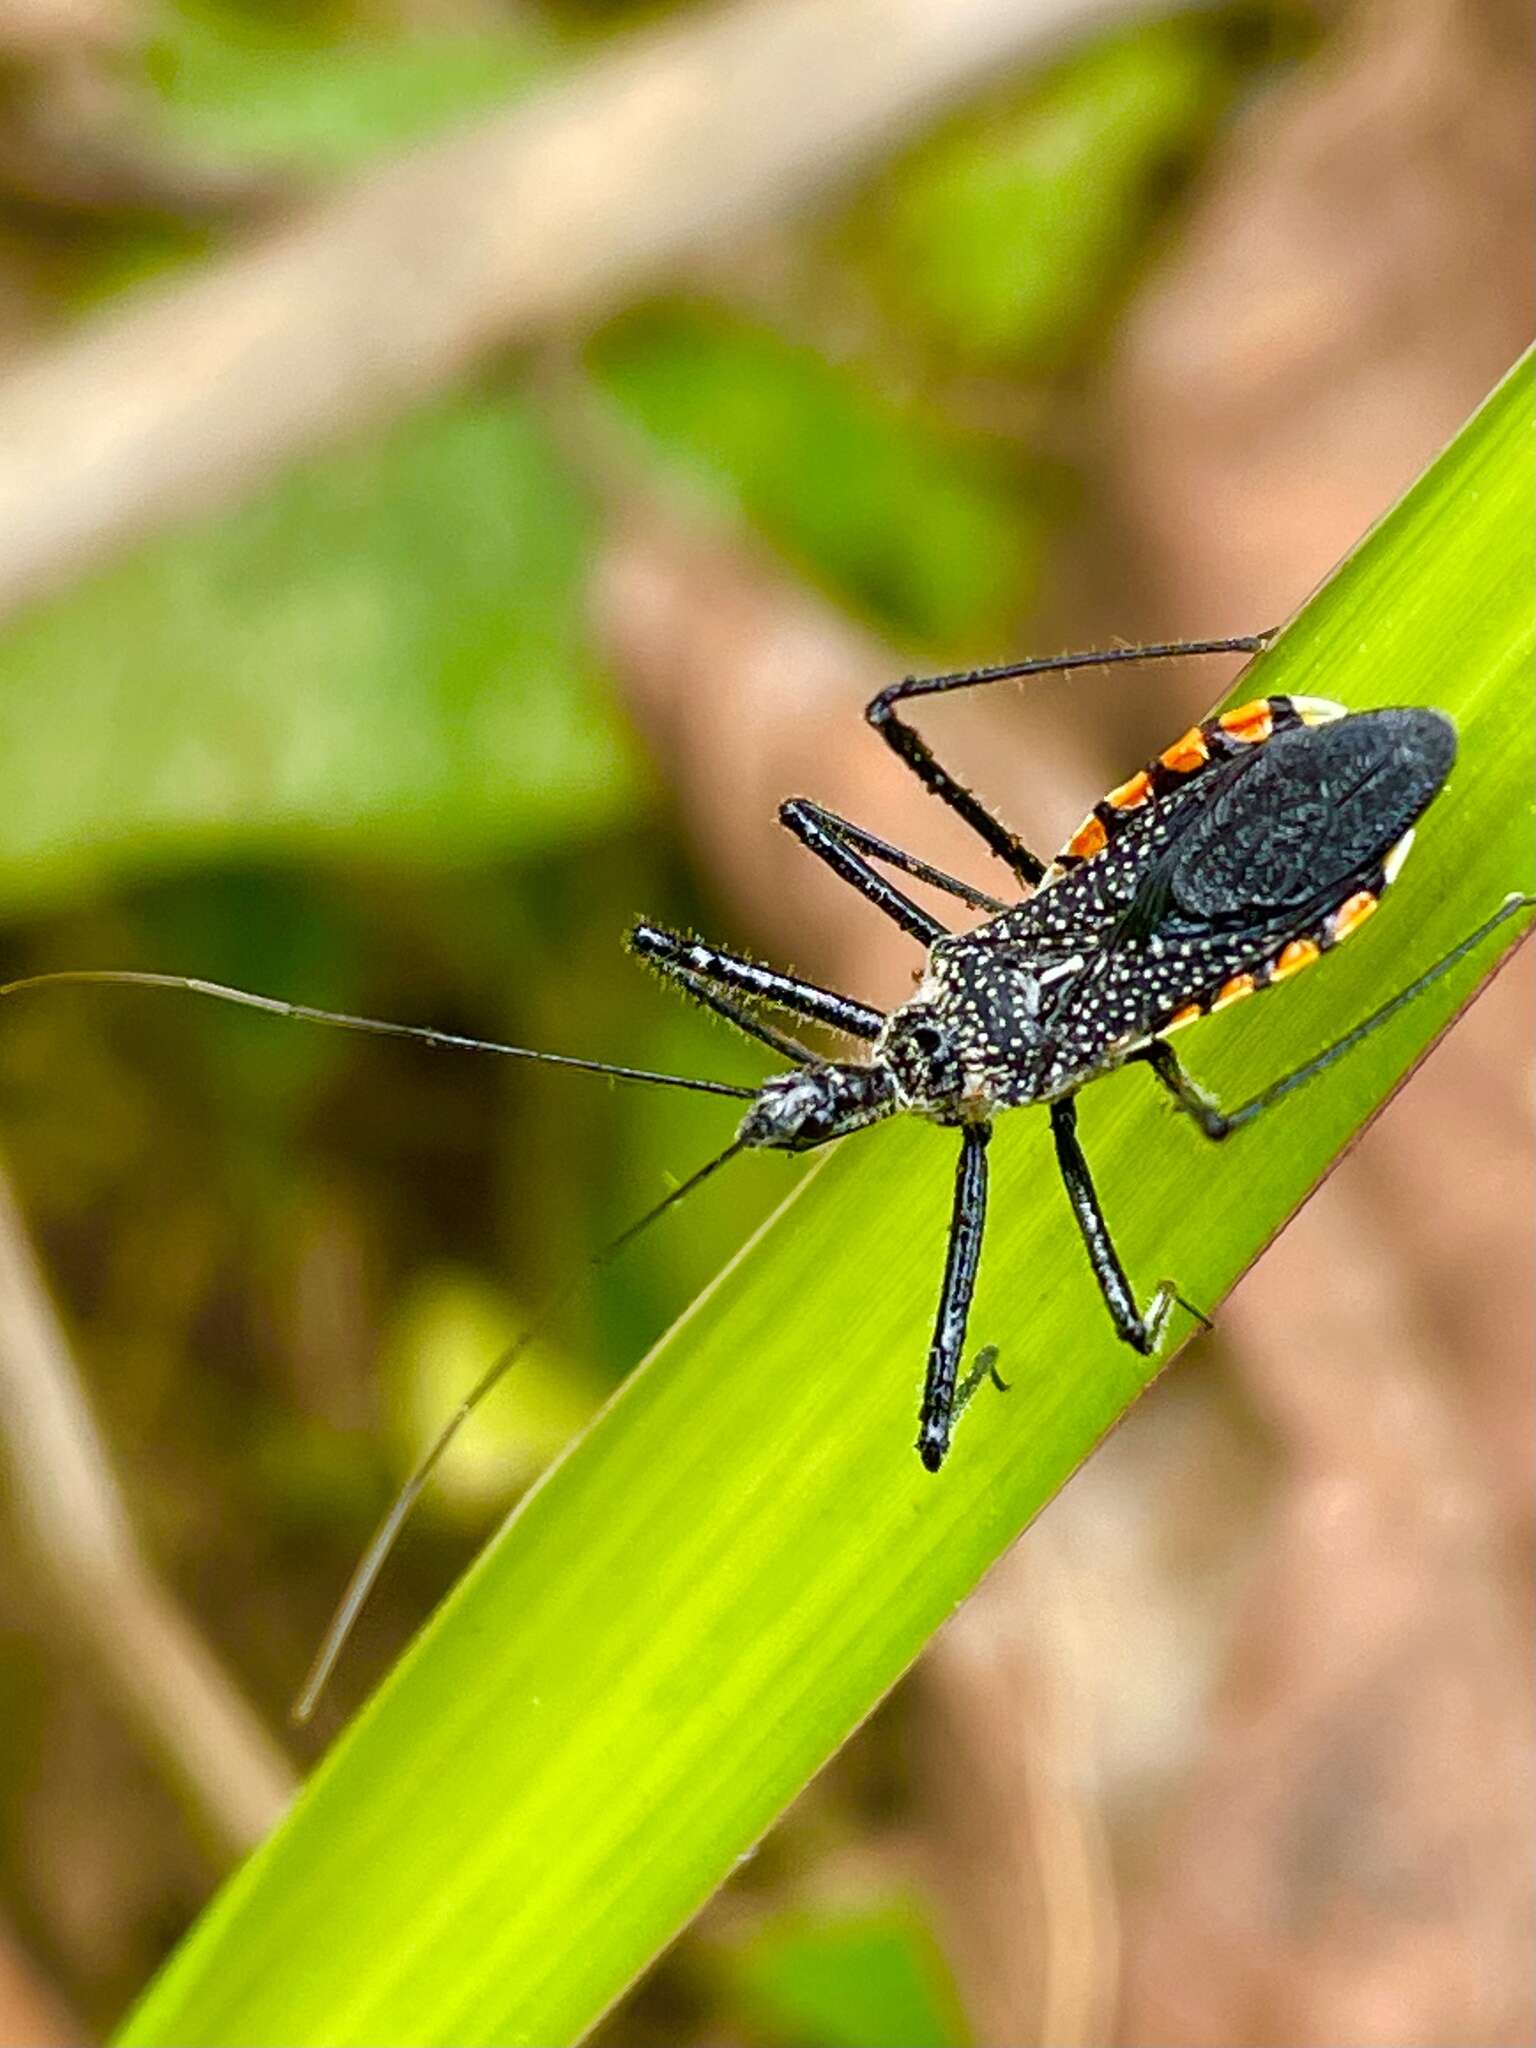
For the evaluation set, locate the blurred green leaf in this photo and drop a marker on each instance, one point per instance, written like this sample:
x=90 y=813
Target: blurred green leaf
x=714 y=1586
x=927 y=533
x=450 y=1325
x=292 y=94
x=381 y=654
x=1003 y=237
x=849 y=1980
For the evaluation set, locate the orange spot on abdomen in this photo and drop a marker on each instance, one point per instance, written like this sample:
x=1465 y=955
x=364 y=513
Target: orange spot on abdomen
x=1298 y=954
x=1089 y=838
x=1131 y=794
x=1250 y=723
x=1351 y=915
x=1187 y=753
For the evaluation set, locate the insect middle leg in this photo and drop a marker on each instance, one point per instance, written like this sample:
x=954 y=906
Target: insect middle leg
x=961 y=1262
x=1217 y=1123
x=684 y=959
x=910 y=747
x=1140 y=1331
x=848 y=850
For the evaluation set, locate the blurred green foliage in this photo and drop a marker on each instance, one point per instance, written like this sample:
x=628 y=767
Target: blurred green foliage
x=449 y=1323
x=1002 y=241
x=927 y=533
x=285 y=92
x=864 y=1979
x=382 y=650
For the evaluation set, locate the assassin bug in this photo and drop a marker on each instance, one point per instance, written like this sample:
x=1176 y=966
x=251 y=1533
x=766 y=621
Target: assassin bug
x=1251 y=846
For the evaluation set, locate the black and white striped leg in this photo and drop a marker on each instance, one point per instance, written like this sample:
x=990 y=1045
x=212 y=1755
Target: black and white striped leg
x=910 y=747
x=961 y=1262
x=837 y=840
x=679 y=956
x=1217 y=1123
x=1141 y=1332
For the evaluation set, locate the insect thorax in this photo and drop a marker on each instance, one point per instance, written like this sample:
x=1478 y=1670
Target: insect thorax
x=983 y=1030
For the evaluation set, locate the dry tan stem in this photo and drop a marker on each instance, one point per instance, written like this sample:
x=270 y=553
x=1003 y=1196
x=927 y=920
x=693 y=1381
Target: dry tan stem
x=528 y=221
x=67 y=1507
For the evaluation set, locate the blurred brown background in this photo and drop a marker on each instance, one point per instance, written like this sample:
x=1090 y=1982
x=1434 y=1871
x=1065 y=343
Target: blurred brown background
x=461 y=462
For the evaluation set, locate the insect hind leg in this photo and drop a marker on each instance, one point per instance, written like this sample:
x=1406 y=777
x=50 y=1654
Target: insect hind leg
x=1217 y=1123
x=910 y=747
x=1202 y=1109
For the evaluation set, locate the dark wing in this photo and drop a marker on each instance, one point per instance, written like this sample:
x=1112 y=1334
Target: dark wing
x=1288 y=832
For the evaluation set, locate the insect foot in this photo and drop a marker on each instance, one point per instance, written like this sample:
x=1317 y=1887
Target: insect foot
x=1146 y=1334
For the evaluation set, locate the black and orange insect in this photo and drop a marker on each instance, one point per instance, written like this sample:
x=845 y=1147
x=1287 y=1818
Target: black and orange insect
x=1245 y=851
x=1253 y=845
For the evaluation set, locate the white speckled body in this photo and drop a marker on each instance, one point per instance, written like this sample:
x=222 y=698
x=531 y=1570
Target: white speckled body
x=1208 y=887
x=1244 y=852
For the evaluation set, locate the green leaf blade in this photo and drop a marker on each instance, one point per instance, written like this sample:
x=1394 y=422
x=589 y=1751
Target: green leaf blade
x=699 y=1603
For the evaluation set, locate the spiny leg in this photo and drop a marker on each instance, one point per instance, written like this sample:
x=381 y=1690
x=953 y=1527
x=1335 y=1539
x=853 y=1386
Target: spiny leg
x=1217 y=1123
x=961 y=1261
x=842 y=845
x=812 y=827
x=910 y=747
x=1141 y=1332
x=676 y=955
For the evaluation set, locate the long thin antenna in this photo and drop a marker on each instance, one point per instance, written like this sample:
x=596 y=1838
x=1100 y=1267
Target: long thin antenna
x=372 y=1561
x=378 y=1027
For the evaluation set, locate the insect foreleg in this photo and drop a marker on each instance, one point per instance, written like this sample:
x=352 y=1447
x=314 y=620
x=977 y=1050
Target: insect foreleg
x=961 y=1261
x=910 y=747
x=1141 y=1332
x=820 y=831
x=682 y=957
x=1218 y=1124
